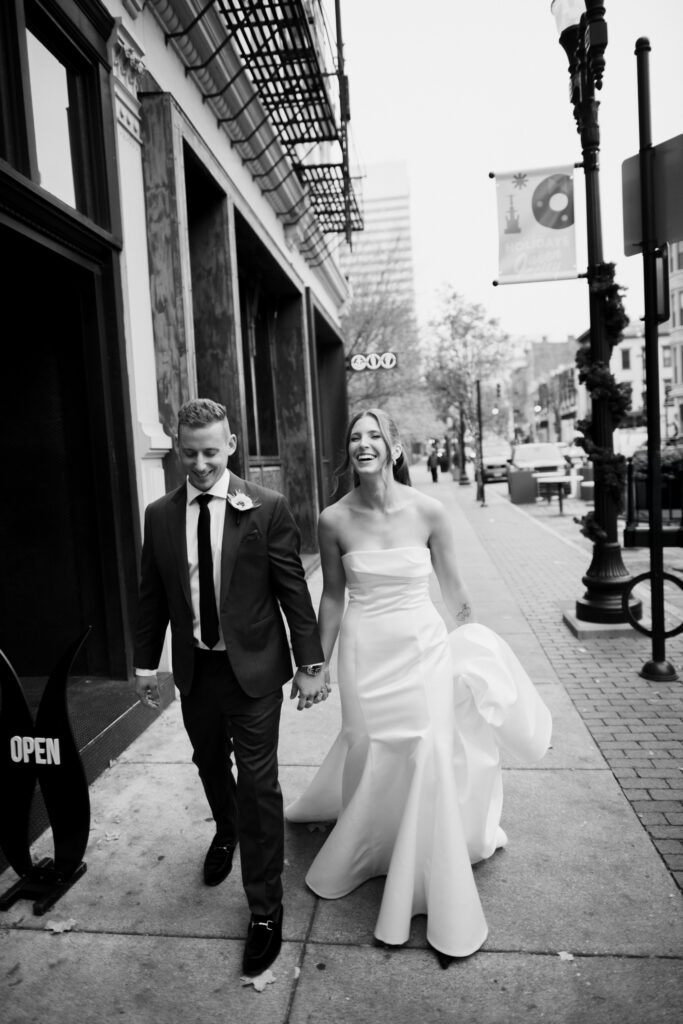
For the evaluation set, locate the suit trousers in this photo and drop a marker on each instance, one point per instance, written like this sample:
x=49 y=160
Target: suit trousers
x=222 y=722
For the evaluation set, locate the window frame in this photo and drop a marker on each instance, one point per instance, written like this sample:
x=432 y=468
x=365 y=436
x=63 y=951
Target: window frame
x=76 y=33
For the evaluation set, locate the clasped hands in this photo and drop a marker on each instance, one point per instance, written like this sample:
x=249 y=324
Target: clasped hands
x=310 y=689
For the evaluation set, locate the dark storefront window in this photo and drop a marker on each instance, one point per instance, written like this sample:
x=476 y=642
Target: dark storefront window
x=73 y=565
x=258 y=337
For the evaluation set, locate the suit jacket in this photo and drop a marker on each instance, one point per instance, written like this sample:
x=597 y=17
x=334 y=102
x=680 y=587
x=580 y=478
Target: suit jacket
x=261 y=573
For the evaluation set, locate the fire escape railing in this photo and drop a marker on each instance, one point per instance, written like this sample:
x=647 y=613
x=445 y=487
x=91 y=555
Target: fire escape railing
x=280 y=55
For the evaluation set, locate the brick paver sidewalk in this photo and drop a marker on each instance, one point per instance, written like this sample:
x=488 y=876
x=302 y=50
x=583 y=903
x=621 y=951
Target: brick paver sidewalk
x=637 y=724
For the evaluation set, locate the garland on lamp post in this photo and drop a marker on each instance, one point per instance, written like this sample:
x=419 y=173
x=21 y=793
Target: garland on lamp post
x=609 y=468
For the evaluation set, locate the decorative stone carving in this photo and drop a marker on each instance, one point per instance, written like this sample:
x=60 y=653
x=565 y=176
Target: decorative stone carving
x=128 y=68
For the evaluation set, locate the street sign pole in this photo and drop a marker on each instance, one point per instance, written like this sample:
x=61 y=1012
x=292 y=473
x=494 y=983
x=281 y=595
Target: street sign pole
x=658 y=668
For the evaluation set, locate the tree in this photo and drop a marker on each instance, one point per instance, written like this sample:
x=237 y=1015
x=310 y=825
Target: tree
x=464 y=346
x=376 y=320
x=377 y=323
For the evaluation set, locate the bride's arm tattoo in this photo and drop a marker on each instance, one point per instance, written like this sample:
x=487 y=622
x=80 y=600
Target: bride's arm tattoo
x=464 y=612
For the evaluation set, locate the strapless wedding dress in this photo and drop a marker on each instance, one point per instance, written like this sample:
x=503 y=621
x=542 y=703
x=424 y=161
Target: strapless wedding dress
x=413 y=779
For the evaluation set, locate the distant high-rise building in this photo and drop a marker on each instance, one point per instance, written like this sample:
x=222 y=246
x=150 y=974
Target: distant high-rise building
x=382 y=255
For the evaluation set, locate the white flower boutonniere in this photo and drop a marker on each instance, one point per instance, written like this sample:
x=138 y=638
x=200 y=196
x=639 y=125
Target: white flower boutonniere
x=242 y=502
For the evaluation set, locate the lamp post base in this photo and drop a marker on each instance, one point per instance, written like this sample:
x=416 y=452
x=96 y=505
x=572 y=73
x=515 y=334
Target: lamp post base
x=605 y=582
x=659 y=672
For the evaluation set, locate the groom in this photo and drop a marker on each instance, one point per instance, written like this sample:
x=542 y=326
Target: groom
x=220 y=557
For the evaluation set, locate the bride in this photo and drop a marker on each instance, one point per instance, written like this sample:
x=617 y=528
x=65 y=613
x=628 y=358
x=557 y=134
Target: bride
x=413 y=779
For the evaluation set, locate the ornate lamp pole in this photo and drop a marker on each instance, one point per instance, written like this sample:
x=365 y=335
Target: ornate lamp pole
x=583 y=35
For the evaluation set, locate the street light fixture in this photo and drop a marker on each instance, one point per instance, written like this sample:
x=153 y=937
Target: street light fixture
x=583 y=35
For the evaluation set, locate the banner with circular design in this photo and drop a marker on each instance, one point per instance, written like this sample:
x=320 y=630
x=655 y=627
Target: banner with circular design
x=536 y=239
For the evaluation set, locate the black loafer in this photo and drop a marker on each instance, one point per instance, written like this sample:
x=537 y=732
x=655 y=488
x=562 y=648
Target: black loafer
x=218 y=861
x=264 y=940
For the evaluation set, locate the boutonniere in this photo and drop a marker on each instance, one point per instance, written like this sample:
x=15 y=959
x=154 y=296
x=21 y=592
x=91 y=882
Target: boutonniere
x=242 y=502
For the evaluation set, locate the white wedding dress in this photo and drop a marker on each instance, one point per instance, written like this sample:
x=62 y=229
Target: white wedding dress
x=413 y=779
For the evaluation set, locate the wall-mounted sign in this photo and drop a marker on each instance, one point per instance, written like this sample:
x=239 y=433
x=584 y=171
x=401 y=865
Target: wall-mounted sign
x=373 y=361
x=667 y=167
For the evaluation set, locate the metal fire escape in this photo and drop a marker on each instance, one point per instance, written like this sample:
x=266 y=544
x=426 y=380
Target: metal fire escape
x=283 y=100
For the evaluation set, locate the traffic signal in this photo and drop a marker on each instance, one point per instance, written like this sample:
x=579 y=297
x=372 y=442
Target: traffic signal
x=497 y=390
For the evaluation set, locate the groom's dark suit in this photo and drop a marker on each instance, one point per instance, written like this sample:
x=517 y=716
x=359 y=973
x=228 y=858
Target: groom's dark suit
x=231 y=700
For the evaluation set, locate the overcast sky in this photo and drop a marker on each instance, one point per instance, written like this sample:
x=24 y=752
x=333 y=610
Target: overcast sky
x=458 y=88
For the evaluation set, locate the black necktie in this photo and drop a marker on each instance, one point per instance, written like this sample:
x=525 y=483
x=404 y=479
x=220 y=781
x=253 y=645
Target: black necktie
x=208 y=616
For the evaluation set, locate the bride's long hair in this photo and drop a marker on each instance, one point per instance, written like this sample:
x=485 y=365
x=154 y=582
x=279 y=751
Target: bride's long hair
x=390 y=434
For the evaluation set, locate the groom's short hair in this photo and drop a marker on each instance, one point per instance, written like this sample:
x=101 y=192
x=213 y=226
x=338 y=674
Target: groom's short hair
x=199 y=412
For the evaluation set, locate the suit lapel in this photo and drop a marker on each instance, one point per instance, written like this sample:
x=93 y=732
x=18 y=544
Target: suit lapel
x=232 y=534
x=178 y=538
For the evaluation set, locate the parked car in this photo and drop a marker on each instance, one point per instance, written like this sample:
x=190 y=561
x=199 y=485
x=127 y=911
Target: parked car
x=494 y=460
x=540 y=457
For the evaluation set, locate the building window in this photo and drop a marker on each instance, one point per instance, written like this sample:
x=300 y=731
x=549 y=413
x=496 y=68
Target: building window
x=626 y=358
x=679 y=256
x=258 y=340
x=50 y=103
x=53 y=77
x=666 y=355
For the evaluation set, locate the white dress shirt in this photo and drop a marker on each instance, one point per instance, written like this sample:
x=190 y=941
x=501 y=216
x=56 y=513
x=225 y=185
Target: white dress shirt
x=217 y=510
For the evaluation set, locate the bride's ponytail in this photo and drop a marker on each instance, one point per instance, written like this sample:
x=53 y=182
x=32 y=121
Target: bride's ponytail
x=401 y=471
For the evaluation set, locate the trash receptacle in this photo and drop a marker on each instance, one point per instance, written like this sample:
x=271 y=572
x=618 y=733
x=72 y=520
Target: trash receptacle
x=522 y=487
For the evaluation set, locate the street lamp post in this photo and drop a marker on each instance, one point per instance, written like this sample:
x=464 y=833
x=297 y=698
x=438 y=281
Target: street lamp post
x=583 y=36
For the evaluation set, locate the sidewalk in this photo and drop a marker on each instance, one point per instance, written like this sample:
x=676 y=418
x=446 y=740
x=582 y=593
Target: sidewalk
x=585 y=921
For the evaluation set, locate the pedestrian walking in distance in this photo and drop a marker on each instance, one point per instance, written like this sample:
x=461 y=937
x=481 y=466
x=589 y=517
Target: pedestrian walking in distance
x=433 y=465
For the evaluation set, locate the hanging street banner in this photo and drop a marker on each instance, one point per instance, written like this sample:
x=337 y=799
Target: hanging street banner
x=536 y=225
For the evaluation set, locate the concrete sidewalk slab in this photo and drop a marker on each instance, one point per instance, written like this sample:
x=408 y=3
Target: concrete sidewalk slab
x=485 y=989
x=81 y=978
x=560 y=884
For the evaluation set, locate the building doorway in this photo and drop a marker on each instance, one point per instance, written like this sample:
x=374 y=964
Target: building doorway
x=57 y=546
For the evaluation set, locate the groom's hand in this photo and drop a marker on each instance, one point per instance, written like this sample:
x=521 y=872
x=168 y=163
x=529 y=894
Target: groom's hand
x=147 y=689
x=309 y=689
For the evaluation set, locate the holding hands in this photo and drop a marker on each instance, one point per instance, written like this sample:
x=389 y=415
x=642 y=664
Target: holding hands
x=311 y=687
